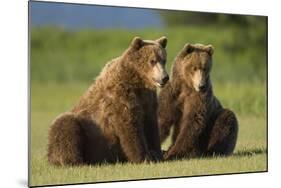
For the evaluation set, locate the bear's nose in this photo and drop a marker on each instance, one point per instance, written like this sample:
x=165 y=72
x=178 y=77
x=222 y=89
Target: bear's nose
x=202 y=87
x=165 y=79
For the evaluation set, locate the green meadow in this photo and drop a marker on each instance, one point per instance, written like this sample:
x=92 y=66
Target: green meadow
x=64 y=64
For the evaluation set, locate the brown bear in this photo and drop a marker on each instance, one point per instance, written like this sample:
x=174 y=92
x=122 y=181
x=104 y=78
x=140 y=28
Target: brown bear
x=116 y=119
x=201 y=126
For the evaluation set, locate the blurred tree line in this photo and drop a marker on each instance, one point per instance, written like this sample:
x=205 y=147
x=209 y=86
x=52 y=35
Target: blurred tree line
x=248 y=30
x=253 y=27
x=174 y=18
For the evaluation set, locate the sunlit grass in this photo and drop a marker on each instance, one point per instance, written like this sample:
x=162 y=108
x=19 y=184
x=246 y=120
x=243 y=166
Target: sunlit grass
x=52 y=99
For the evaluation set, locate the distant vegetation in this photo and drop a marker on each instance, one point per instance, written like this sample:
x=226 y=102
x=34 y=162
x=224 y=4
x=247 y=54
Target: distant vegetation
x=177 y=18
x=65 y=56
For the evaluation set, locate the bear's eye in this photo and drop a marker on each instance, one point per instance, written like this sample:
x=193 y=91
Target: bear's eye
x=152 y=62
x=194 y=69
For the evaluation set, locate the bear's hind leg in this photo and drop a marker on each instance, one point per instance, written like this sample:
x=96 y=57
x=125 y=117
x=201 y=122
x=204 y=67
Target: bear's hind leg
x=223 y=135
x=65 y=141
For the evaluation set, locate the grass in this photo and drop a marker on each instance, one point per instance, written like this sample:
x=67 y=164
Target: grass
x=64 y=63
x=106 y=172
x=249 y=155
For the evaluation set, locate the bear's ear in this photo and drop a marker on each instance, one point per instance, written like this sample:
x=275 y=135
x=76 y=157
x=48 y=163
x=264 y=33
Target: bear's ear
x=137 y=43
x=162 y=41
x=210 y=49
x=188 y=48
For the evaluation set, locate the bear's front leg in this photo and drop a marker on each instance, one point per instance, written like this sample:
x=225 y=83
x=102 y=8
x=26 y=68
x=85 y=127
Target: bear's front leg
x=187 y=141
x=128 y=127
x=152 y=138
x=166 y=112
x=133 y=143
x=182 y=147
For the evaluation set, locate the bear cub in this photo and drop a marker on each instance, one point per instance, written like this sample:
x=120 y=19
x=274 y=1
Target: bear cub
x=201 y=126
x=116 y=119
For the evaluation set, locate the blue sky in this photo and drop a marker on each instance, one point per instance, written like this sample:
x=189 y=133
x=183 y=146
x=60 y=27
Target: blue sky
x=77 y=16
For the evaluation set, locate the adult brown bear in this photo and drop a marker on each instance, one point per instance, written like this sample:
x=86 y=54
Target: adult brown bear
x=201 y=126
x=116 y=119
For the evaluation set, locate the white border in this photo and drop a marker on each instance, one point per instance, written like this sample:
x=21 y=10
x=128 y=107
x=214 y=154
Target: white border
x=13 y=99
x=192 y=5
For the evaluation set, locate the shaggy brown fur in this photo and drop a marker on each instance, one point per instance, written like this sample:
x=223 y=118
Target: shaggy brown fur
x=116 y=119
x=201 y=126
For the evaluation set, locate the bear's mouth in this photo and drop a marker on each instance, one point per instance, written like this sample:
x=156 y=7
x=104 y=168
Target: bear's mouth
x=160 y=85
x=157 y=83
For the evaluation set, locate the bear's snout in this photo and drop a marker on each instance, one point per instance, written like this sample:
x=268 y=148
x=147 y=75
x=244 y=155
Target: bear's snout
x=202 y=86
x=165 y=79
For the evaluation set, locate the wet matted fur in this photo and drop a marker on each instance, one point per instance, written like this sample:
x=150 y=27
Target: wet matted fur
x=201 y=126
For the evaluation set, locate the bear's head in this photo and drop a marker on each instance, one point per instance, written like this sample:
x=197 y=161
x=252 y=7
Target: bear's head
x=193 y=64
x=149 y=59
